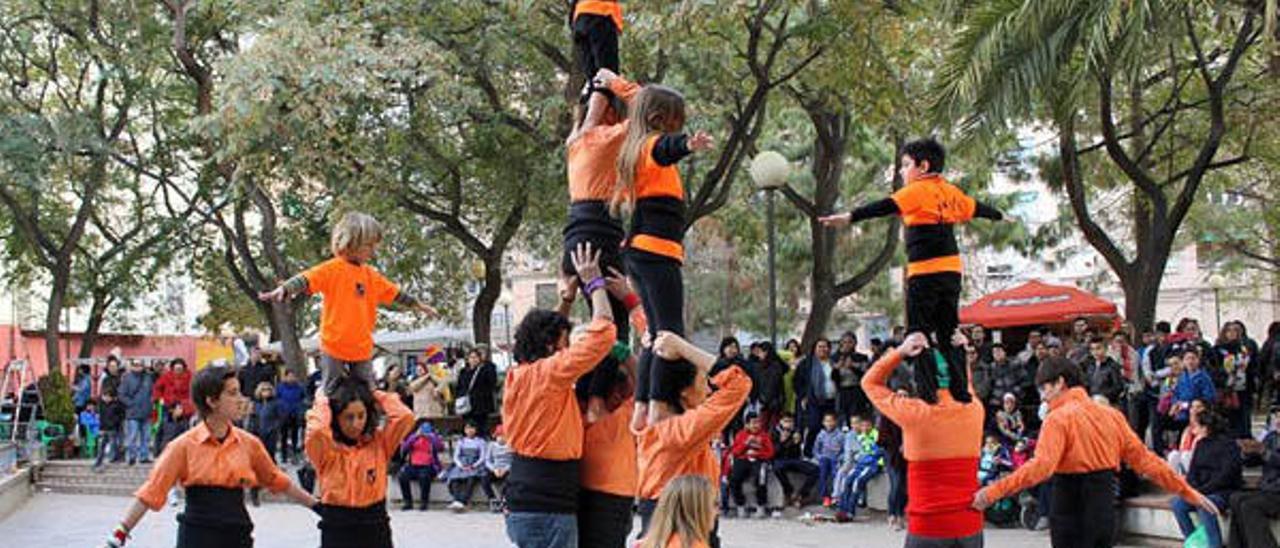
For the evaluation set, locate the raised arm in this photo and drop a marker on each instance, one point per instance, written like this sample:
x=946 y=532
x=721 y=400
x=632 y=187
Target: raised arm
x=900 y=409
x=318 y=442
x=400 y=420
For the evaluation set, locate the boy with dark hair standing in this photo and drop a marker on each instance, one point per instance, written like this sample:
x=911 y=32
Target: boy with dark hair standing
x=930 y=208
x=111 y=428
x=596 y=25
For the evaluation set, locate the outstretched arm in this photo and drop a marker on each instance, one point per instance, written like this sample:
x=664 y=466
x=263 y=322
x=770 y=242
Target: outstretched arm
x=985 y=211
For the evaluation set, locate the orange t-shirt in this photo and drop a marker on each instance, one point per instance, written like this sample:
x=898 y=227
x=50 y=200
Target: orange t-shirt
x=592 y=157
x=947 y=430
x=1080 y=436
x=196 y=458
x=352 y=293
x=355 y=476
x=609 y=454
x=681 y=445
x=609 y=8
x=931 y=202
x=540 y=410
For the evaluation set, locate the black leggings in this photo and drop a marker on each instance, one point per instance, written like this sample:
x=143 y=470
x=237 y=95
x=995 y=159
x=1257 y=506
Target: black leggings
x=600 y=381
x=932 y=305
x=595 y=40
x=1082 y=513
x=661 y=287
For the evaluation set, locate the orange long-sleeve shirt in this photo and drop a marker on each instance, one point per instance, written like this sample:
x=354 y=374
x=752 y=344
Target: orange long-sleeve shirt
x=947 y=430
x=355 y=476
x=1080 y=436
x=540 y=411
x=196 y=458
x=609 y=454
x=681 y=445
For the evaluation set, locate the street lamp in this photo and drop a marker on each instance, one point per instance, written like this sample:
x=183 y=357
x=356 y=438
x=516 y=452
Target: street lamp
x=505 y=300
x=1217 y=281
x=769 y=171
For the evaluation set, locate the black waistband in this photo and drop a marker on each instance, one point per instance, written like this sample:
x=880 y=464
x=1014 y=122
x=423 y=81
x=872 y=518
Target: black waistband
x=215 y=507
x=662 y=217
x=542 y=485
x=931 y=241
x=591 y=220
x=340 y=516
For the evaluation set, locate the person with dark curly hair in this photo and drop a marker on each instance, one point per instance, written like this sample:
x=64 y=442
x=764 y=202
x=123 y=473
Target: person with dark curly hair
x=541 y=414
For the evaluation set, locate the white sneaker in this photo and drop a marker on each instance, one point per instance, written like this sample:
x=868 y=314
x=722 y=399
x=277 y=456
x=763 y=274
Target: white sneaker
x=777 y=514
x=1042 y=524
x=742 y=512
x=762 y=513
x=457 y=506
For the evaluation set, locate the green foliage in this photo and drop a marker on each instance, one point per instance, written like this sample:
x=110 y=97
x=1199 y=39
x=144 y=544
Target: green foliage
x=56 y=394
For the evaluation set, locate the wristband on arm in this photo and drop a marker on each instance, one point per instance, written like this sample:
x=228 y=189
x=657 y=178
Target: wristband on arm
x=631 y=301
x=593 y=285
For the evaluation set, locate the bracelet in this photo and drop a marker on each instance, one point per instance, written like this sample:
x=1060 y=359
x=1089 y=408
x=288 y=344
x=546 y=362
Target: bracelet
x=593 y=285
x=631 y=301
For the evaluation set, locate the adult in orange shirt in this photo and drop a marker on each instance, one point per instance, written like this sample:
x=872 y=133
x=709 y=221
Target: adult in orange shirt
x=681 y=444
x=941 y=440
x=591 y=154
x=930 y=208
x=352 y=291
x=1081 y=445
x=685 y=515
x=350 y=453
x=541 y=415
x=214 y=462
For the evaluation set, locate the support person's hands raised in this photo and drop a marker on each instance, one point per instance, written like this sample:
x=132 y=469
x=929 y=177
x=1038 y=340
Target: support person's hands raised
x=981 y=500
x=838 y=220
x=913 y=345
x=586 y=261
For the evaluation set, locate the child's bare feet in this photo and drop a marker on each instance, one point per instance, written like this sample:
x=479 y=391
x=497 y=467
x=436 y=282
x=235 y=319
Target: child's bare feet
x=640 y=417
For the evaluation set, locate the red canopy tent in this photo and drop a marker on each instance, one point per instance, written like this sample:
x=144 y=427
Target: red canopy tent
x=1035 y=303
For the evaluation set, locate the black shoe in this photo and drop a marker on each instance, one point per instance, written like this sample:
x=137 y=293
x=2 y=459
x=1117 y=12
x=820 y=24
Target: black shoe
x=132 y=462
x=423 y=508
x=408 y=505
x=146 y=461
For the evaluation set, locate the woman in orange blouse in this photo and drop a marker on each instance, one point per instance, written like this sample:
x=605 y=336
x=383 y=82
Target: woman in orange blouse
x=213 y=462
x=350 y=453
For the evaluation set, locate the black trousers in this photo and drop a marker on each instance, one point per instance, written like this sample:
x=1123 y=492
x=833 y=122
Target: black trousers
x=807 y=469
x=290 y=436
x=424 y=475
x=932 y=305
x=1251 y=515
x=604 y=520
x=348 y=527
x=215 y=517
x=595 y=41
x=600 y=381
x=660 y=284
x=1082 y=513
x=743 y=471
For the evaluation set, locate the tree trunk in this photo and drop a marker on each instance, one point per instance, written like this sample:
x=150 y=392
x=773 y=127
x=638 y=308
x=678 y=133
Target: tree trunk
x=1141 y=293
x=822 y=304
x=57 y=295
x=284 y=328
x=482 y=309
x=97 y=314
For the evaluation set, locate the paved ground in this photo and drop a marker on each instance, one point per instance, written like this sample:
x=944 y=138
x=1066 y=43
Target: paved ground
x=83 y=521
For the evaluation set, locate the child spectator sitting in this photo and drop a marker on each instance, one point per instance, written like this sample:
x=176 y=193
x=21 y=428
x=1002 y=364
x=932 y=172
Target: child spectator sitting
x=752 y=450
x=864 y=459
x=1009 y=420
x=468 y=467
x=1022 y=452
x=111 y=424
x=498 y=463
x=827 y=449
x=995 y=460
x=422 y=463
x=788 y=447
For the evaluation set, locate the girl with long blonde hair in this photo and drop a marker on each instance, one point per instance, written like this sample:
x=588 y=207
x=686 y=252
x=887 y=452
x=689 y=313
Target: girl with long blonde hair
x=685 y=516
x=649 y=188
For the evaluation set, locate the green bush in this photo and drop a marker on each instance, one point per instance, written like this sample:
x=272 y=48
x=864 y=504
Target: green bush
x=58 y=408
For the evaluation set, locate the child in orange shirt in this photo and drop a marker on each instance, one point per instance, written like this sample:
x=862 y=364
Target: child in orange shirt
x=350 y=453
x=649 y=186
x=352 y=291
x=596 y=26
x=685 y=515
x=214 y=461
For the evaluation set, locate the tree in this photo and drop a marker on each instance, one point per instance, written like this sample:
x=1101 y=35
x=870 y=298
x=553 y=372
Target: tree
x=80 y=81
x=1163 y=68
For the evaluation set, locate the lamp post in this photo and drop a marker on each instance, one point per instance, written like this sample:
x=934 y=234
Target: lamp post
x=505 y=300
x=769 y=171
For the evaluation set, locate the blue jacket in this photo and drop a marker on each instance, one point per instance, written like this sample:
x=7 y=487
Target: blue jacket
x=83 y=391
x=135 y=392
x=1193 y=386
x=290 y=396
x=89 y=420
x=830 y=444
